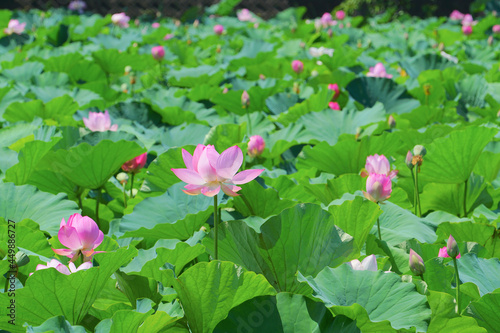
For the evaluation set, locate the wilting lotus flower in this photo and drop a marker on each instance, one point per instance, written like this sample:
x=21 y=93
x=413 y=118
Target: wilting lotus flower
x=378 y=187
x=467 y=29
x=80 y=235
x=297 y=66
x=416 y=263
x=378 y=164
x=120 y=19
x=99 y=122
x=155 y=25
x=207 y=171
x=340 y=15
x=378 y=71
x=136 y=164
x=256 y=145
x=218 y=29
x=334 y=106
x=77 y=5
x=245 y=15
x=335 y=88
x=14 y=27
x=456 y=15
x=158 y=52
x=368 y=264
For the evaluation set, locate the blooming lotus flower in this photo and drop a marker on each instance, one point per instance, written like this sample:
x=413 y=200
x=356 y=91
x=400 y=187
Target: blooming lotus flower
x=208 y=172
x=168 y=36
x=444 y=254
x=335 y=88
x=136 y=164
x=77 y=5
x=80 y=235
x=334 y=106
x=378 y=187
x=155 y=25
x=54 y=263
x=245 y=15
x=326 y=20
x=218 y=29
x=456 y=15
x=120 y=19
x=99 y=122
x=340 y=15
x=378 y=71
x=416 y=263
x=496 y=28
x=378 y=164
x=468 y=20
x=158 y=52
x=256 y=145
x=368 y=264
x=14 y=27
x=319 y=51
x=467 y=29
x=297 y=66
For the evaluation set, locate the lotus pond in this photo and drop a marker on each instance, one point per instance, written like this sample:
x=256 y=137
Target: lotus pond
x=232 y=174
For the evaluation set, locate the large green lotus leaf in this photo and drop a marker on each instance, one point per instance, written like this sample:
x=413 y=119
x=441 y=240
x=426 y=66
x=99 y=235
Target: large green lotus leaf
x=26 y=238
x=482 y=272
x=398 y=224
x=356 y=217
x=26 y=202
x=281 y=102
x=451 y=159
x=225 y=135
x=192 y=76
x=466 y=232
x=114 y=61
x=438 y=276
x=49 y=293
x=25 y=72
x=415 y=65
x=56 y=324
x=288 y=189
x=473 y=89
x=183 y=135
x=172 y=215
x=127 y=320
x=485 y=311
x=136 y=287
x=347 y=156
x=335 y=188
x=374 y=299
x=488 y=165
x=52 y=182
x=302 y=238
x=90 y=166
x=209 y=290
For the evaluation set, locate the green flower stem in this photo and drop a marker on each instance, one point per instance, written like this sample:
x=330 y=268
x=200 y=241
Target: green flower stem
x=378 y=226
x=417 y=193
x=249 y=123
x=216 y=225
x=465 y=198
x=98 y=198
x=124 y=197
x=80 y=201
x=422 y=277
x=132 y=185
x=457 y=287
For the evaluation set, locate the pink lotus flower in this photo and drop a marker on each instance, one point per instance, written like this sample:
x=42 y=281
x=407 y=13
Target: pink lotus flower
x=120 y=19
x=468 y=20
x=77 y=5
x=54 y=263
x=368 y=264
x=334 y=106
x=136 y=164
x=168 y=36
x=256 y=145
x=155 y=25
x=14 y=27
x=496 y=28
x=80 y=235
x=297 y=66
x=467 y=29
x=340 y=15
x=456 y=15
x=378 y=187
x=444 y=254
x=378 y=164
x=245 y=99
x=335 y=88
x=158 y=52
x=99 y=122
x=326 y=20
x=207 y=171
x=218 y=29
x=378 y=71
x=245 y=15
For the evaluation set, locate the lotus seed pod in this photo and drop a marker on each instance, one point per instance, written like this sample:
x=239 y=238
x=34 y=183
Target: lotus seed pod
x=22 y=259
x=122 y=177
x=419 y=150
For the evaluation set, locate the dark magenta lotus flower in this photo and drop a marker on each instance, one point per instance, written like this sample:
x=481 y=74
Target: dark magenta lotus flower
x=207 y=171
x=297 y=66
x=136 y=164
x=218 y=29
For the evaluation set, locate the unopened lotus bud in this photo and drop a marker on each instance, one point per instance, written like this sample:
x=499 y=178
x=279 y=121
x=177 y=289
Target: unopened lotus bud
x=452 y=247
x=498 y=114
x=132 y=79
x=177 y=23
x=302 y=45
x=245 y=99
x=225 y=90
x=359 y=130
x=124 y=87
x=128 y=69
x=419 y=150
x=135 y=45
x=262 y=76
x=417 y=265
x=314 y=73
x=391 y=121
x=408 y=160
x=122 y=177
x=22 y=259
x=256 y=146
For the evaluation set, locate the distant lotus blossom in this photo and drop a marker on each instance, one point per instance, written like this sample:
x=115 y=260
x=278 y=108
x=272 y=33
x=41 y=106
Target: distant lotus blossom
x=319 y=51
x=245 y=15
x=245 y=99
x=468 y=20
x=467 y=29
x=136 y=164
x=378 y=71
x=496 y=28
x=378 y=187
x=155 y=25
x=444 y=254
x=99 y=122
x=297 y=66
x=219 y=29
x=326 y=20
x=168 y=36
x=208 y=171
x=340 y=15
x=378 y=164
x=256 y=145
x=158 y=52
x=456 y=15
x=120 y=19
x=80 y=235
x=334 y=106
x=14 y=27
x=368 y=264
x=335 y=88
x=77 y=5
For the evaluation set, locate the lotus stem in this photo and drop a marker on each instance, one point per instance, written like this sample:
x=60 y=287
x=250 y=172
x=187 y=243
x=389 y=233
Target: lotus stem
x=465 y=198
x=216 y=222
x=124 y=196
x=457 y=287
x=132 y=185
x=98 y=198
x=378 y=226
x=249 y=123
x=417 y=194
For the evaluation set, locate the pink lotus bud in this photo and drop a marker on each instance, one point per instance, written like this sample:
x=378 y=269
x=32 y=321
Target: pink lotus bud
x=378 y=187
x=155 y=25
x=334 y=106
x=468 y=20
x=452 y=247
x=245 y=99
x=408 y=160
x=297 y=66
x=467 y=29
x=168 y=36
x=416 y=263
x=225 y=90
x=218 y=29
x=256 y=145
x=256 y=25
x=136 y=164
x=99 y=122
x=340 y=15
x=335 y=88
x=120 y=19
x=262 y=76
x=456 y=15
x=158 y=52
x=391 y=121
x=326 y=19
x=496 y=28
x=14 y=27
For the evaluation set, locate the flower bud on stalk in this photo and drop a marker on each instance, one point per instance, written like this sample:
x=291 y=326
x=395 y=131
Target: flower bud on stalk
x=408 y=160
x=245 y=99
x=391 y=122
x=452 y=247
x=416 y=263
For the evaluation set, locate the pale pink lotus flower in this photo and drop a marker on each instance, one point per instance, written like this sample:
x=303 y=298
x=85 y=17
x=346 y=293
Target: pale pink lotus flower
x=326 y=20
x=334 y=106
x=368 y=264
x=225 y=90
x=468 y=20
x=158 y=52
x=155 y=25
x=245 y=99
x=335 y=88
x=168 y=36
x=14 y=27
x=297 y=66
x=378 y=164
x=256 y=145
x=77 y=5
x=136 y=164
x=99 y=122
x=208 y=171
x=496 y=28
x=378 y=187
x=340 y=15
x=456 y=15
x=54 y=263
x=80 y=235
x=245 y=15
x=120 y=19
x=378 y=71
x=443 y=253
x=219 y=29
x=467 y=29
